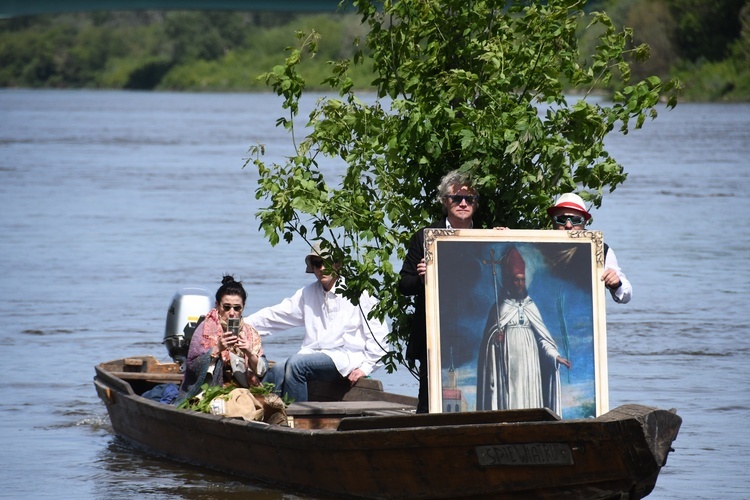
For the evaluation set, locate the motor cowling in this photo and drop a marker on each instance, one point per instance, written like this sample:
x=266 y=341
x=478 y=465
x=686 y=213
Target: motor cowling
x=188 y=306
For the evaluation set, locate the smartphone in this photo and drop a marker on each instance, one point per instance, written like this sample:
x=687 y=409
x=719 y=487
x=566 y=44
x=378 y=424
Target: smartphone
x=233 y=325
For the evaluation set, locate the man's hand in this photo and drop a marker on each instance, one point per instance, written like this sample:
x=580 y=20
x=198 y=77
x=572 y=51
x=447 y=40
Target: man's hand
x=564 y=361
x=611 y=280
x=355 y=375
x=499 y=336
x=421 y=269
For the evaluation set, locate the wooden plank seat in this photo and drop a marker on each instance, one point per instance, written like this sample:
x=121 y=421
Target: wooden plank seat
x=161 y=378
x=444 y=419
x=345 y=408
x=329 y=414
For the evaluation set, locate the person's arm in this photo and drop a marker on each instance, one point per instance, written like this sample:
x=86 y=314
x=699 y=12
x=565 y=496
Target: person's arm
x=197 y=348
x=250 y=344
x=624 y=292
x=193 y=366
x=411 y=282
x=545 y=341
x=283 y=316
x=375 y=333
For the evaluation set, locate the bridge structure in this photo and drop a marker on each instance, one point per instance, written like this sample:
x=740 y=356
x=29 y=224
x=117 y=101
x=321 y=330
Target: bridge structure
x=17 y=8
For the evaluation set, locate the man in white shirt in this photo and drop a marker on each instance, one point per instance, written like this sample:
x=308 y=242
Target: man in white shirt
x=339 y=340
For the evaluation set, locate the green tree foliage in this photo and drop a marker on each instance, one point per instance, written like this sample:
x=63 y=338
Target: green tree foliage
x=706 y=28
x=696 y=40
x=656 y=27
x=204 y=35
x=122 y=49
x=220 y=50
x=741 y=48
x=238 y=67
x=476 y=85
x=48 y=57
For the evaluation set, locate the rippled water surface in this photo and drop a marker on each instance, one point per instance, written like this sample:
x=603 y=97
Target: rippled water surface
x=110 y=201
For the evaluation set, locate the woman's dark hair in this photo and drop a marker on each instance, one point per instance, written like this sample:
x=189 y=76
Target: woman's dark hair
x=230 y=287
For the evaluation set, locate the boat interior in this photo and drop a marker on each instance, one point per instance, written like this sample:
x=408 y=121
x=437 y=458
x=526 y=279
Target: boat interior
x=332 y=405
x=329 y=405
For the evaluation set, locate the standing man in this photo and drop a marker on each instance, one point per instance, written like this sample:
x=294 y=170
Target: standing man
x=570 y=213
x=339 y=340
x=518 y=364
x=459 y=200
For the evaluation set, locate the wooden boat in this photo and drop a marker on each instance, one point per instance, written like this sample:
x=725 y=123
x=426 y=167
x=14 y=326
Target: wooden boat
x=368 y=443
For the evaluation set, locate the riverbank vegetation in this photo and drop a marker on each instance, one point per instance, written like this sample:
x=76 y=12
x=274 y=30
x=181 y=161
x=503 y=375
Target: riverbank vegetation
x=704 y=43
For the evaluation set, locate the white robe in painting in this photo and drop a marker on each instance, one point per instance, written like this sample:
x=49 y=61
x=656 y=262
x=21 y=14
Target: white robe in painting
x=522 y=370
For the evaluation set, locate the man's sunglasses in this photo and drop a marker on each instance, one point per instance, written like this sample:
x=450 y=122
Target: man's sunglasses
x=575 y=220
x=227 y=307
x=316 y=263
x=458 y=198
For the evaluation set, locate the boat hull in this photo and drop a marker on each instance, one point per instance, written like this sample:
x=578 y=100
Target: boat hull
x=522 y=453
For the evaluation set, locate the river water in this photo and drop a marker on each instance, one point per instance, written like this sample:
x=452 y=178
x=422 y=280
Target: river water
x=111 y=201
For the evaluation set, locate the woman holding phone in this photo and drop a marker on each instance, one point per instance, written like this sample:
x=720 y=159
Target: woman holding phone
x=223 y=346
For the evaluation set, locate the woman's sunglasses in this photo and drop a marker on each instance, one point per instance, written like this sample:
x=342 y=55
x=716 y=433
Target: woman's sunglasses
x=227 y=307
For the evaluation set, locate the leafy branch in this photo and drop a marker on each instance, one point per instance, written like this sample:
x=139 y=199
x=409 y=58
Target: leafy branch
x=477 y=86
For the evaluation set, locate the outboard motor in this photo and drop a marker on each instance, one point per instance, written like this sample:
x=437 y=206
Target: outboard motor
x=189 y=306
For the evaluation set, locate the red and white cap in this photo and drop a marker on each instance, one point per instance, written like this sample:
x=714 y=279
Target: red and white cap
x=572 y=201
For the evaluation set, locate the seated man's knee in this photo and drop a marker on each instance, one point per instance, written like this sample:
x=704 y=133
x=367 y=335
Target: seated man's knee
x=295 y=366
x=275 y=376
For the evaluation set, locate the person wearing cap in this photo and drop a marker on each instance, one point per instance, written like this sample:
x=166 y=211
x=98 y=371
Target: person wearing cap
x=569 y=213
x=339 y=340
x=459 y=201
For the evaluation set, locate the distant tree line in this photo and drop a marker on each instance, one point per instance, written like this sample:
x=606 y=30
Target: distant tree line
x=206 y=50
x=706 y=43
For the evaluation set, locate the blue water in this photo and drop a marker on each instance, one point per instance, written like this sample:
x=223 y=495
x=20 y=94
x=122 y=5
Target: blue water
x=111 y=201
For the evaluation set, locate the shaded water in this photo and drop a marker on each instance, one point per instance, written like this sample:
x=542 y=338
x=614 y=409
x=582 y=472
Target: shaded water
x=110 y=201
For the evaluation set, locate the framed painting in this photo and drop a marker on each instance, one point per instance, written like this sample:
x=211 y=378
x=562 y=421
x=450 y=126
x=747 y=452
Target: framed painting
x=516 y=319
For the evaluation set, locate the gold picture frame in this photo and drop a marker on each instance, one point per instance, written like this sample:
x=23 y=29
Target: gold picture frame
x=473 y=364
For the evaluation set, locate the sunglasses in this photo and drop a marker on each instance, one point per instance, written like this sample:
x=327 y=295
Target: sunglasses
x=470 y=199
x=227 y=307
x=575 y=220
x=316 y=263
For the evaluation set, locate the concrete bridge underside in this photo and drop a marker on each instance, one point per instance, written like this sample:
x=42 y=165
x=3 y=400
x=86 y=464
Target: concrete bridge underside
x=15 y=8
